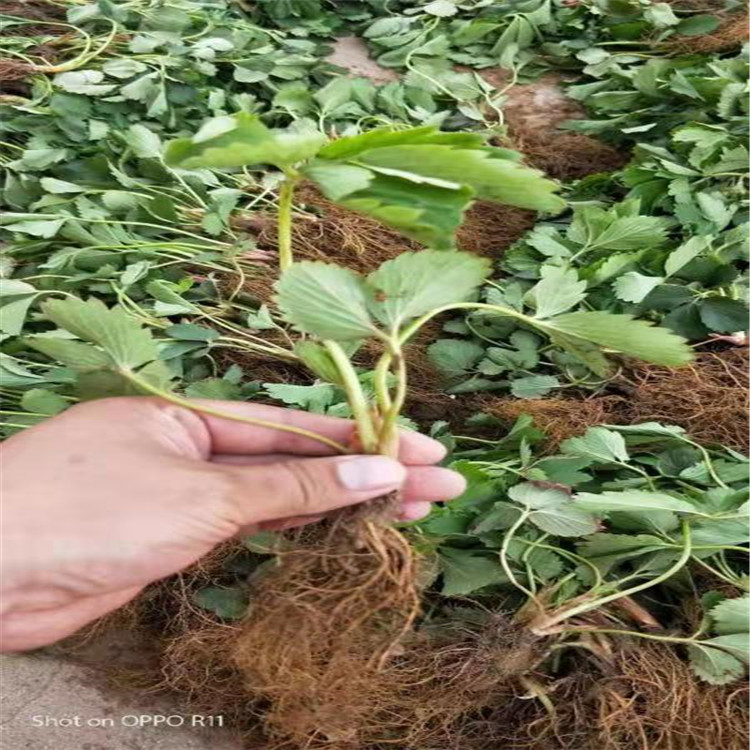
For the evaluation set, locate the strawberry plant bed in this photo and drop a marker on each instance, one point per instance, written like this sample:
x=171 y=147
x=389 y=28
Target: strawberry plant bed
x=528 y=240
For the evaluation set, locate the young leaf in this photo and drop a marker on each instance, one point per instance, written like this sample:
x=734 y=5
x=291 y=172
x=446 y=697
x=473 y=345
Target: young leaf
x=121 y=336
x=598 y=444
x=534 y=386
x=633 y=500
x=732 y=615
x=416 y=283
x=714 y=665
x=427 y=213
x=564 y=520
x=327 y=301
x=455 y=357
x=558 y=291
x=635 y=287
x=724 y=315
x=486 y=171
x=227 y=603
x=465 y=572
x=242 y=140
x=624 y=334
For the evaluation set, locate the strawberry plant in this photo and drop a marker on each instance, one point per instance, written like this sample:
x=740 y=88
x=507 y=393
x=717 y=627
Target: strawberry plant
x=618 y=513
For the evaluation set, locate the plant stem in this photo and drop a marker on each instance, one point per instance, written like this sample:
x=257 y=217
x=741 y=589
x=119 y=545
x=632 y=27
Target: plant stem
x=286 y=205
x=388 y=437
x=635 y=633
x=202 y=409
x=355 y=397
x=504 y=557
x=587 y=606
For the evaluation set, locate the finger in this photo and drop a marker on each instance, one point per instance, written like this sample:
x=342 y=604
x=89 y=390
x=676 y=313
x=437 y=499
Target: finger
x=432 y=484
x=228 y=436
x=414 y=511
x=309 y=487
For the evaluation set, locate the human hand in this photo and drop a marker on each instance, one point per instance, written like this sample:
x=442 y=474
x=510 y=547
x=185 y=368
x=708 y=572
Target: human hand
x=115 y=494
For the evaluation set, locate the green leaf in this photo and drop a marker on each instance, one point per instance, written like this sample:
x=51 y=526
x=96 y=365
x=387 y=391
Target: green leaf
x=51 y=185
x=558 y=291
x=338 y=180
x=631 y=500
x=214 y=388
x=427 y=213
x=317 y=358
x=227 y=603
x=465 y=572
x=74 y=354
x=697 y=25
x=88 y=82
x=631 y=233
x=327 y=301
x=315 y=398
x=440 y=8
x=44 y=228
x=635 y=287
x=144 y=142
x=599 y=444
x=622 y=333
x=120 y=335
x=723 y=314
x=348 y=147
x=536 y=495
x=684 y=254
x=553 y=511
x=242 y=140
x=713 y=664
x=455 y=357
x=732 y=615
x=564 y=520
x=16 y=297
x=489 y=174
x=43 y=401
x=413 y=284
x=534 y=386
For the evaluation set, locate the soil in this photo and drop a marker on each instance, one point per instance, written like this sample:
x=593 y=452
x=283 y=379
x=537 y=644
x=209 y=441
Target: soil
x=534 y=113
x=352 y=54
x=732 y=33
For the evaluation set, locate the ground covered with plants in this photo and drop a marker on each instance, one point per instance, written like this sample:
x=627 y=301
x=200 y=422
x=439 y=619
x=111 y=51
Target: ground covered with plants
x=519 y=227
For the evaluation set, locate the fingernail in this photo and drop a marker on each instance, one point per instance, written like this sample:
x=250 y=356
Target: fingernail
x=364 y=473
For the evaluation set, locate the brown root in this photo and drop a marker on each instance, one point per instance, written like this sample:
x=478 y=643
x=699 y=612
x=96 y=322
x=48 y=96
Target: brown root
x=559 y=418
x=731 y=34
x=709 y=398
x=569 y=156
x=325 y=622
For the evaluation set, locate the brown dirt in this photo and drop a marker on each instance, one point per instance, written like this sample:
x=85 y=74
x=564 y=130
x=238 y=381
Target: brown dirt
x=644 y=698
x=33 y=10
x=568 y=156
x=709 y=398
x=559 y=418
x=534 y=113
x=731 y=34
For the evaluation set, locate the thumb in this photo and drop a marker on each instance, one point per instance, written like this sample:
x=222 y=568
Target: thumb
x=307 y=487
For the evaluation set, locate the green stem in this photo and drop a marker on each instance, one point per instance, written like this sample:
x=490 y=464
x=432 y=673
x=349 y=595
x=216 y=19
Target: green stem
x=504 y=557
x=202 y=409
x=635 y=633
x=388 y=437
x=597 y=603
x=286 y=205
x=355 y=397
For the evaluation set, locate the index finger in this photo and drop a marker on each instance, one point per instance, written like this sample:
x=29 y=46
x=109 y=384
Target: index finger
x=240 y=438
